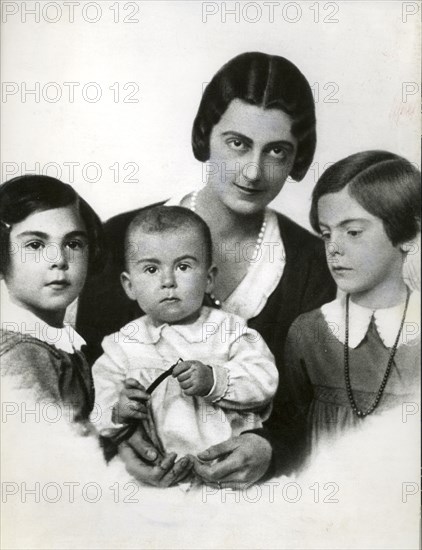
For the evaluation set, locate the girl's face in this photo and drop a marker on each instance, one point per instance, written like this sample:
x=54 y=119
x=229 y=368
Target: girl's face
x=252 y=152
x=48 y=262
x=361 y=257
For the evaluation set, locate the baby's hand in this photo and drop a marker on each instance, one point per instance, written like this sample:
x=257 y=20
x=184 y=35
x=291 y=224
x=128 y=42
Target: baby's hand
x=194 y=377
x=132 y=403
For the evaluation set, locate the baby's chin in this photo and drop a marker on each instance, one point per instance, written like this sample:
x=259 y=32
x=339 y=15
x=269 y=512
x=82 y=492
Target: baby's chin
x=175 y=319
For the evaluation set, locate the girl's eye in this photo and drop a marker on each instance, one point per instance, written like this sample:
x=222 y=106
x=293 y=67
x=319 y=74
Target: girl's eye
x=76 y=245
x=354 y=232
x=34 y=245
x=183 y=267
x=151 y=269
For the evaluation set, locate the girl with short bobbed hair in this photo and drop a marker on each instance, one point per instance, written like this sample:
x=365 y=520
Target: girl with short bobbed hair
x=50 y=238
x=267 y=81
x=385 y=184
x=23 y=195
x=359 y=354
x=255 y=127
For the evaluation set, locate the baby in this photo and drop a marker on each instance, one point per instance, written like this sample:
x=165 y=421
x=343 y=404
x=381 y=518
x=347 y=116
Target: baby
x=227 y=377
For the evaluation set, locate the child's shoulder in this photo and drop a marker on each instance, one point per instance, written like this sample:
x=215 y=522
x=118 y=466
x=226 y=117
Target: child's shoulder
x=20 y=351
x=309 y=325
x=133 y=331
x=309 y=318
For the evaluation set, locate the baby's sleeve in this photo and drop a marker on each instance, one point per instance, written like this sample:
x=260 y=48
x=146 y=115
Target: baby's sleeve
x=248 y=380
x=109 y=373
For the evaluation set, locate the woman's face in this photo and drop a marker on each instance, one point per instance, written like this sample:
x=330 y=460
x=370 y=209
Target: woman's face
x=252 y=152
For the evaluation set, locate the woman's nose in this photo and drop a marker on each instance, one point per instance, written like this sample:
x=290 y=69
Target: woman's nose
x=252 y=169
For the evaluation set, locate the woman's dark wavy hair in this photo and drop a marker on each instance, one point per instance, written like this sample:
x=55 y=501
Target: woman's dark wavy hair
x=386 y=185
x=267 y=81
x=24 y=195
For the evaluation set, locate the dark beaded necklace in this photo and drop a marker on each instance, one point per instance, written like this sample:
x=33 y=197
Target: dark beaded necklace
x=358 y=412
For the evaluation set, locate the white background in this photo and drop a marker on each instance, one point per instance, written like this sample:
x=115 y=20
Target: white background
x=364 y=60
x=369 y=54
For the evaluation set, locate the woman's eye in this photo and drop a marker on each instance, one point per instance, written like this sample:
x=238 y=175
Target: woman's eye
x=34 y=245
x=278 y=153
x=150 y=269
x=236 y=144
x=325 y=236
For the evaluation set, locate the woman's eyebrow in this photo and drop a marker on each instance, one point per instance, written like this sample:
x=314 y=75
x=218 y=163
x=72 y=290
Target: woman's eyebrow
x=282 y=142
x=236 y=134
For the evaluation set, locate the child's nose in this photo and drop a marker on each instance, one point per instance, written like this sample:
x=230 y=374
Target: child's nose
x=168 y=280
x=61 y=259
x=335 y=247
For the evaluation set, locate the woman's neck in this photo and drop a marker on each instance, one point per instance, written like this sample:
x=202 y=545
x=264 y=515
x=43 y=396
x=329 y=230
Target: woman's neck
x=390 y=294
x=223 y=222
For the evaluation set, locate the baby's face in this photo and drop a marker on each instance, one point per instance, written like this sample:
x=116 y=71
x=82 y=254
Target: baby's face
x=167 y=274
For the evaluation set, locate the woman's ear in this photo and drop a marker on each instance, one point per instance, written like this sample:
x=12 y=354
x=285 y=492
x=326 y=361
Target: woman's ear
x=127 y=285
x=212 y=272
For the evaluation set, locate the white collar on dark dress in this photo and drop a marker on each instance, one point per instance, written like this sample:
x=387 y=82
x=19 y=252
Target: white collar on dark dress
x=15 y=318
x=387 y=321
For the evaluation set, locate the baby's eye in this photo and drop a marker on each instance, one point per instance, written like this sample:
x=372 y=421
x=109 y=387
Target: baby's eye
x=34 y=245
x=150 y=269
x=183 y=267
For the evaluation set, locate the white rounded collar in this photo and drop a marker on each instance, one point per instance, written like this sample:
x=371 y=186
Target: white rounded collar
x=387 y=321
x=15 y=318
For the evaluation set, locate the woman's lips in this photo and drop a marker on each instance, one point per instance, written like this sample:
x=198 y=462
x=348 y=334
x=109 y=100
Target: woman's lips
x=248 y=190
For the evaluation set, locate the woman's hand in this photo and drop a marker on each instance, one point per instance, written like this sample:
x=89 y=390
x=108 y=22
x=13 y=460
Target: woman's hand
x=236 y=463
x=145 y=463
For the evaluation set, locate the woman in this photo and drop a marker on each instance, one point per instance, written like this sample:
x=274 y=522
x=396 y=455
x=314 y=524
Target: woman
x=255 y=126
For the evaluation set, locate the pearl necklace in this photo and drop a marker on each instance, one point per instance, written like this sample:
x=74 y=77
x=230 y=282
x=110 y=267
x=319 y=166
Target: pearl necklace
x=261 y=233
x=359 y=412
x=192 y=206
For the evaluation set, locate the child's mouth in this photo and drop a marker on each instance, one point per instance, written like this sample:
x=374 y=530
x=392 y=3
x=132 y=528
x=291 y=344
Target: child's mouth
x=340 y=270
x=58 y=285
